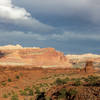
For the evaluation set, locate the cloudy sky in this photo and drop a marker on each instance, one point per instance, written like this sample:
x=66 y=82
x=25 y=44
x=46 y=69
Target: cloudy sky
x=71 y=26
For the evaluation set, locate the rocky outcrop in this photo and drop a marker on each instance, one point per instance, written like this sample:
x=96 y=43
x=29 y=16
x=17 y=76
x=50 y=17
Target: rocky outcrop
x=89 y=67
x=80 y=60
x=34 y=57
x=83 y=57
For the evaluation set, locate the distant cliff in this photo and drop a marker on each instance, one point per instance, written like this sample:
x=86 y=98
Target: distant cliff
x=34 y=57
x=80 y=60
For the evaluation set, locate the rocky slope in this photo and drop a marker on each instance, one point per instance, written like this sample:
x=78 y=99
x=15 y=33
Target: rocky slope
x=32 y=57
x=80 y=60
x=67 y=92
x=84 y=57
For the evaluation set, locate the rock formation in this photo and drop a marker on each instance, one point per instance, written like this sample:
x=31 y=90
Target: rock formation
x=80 y=60
x=89 y=67
x=34 y=57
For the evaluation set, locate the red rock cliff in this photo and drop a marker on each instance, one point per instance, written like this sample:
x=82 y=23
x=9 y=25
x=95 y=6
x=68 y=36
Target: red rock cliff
x=35 y=57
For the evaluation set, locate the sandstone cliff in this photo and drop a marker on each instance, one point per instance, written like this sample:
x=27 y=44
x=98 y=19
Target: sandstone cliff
x=80 y=60
x=34 y=57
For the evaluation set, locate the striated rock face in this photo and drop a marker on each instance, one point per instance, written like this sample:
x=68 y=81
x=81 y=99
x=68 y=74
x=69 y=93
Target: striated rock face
x=83 y=58
x=33 y=57
x=80 y=60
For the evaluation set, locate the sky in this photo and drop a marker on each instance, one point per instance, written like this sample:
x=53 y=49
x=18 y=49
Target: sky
x=71 y=26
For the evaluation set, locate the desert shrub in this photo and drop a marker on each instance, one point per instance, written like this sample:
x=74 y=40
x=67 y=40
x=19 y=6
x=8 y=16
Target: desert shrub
x=30 y=92
x=9 y=94
x=26 y=92
x=73 y=79
x=21 y=74
x=14 y=97
x=23 y=92
x=71 y=94
x=66 y=94
x=67 y=79
x=86 y=79
x=3 y=83
x=43 y=85
x=77 y=83
x=5 y=96
x=60 y=81
x=37 y=91
x=62 y=93
x=17 y=77
x=9 y=80
x=92 y=80
x=76 y=79
x=15 y=87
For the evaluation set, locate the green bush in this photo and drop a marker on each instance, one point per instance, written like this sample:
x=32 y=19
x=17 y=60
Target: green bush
x=92 y=80
x=86 y=79
x=37 y=91
x=72 y=92
x=67 y=94
x=14 y=97
x=30 y=92
x=23 y=92
x=67 y=79
x=9 y=80
x=26 y=92
x=62 y=93
x=77 y=83
x=9 y=94
x=5 y=96
x=73 y=79
x=17 y=77
x=60 y=81
x=3 y=83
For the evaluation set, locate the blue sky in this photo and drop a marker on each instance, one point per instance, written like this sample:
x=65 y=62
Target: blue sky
x=71 y=26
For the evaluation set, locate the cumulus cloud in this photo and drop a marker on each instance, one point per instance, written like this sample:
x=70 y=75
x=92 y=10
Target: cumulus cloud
x=12 y=14
x=9 y=11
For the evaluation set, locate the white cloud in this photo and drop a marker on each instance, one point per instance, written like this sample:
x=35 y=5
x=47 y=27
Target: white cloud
x=12 y=14
x=9 y=11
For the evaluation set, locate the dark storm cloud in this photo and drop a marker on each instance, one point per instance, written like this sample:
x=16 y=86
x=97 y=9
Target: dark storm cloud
x=72 y=26
x=70 y=15
x=84 y=9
